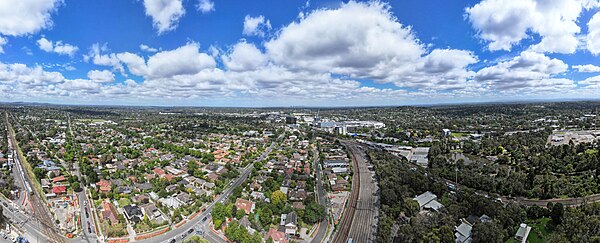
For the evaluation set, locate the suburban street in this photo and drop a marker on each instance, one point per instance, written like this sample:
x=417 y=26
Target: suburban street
x=205 y=224
x=321 y=198
x=87 y=219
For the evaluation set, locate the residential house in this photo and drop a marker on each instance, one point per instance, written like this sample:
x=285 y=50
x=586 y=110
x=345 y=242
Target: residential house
x=58 y=190
x=299 y=195
x=151 y=211
x=463 y=233
x=170 y=202
x=298 y=205
x=243 y=204
x=109 y=212
x=184 y=198
x=428 y=200
x=133 y=213
x=522 y=233
x=290 y=223
x=104 y=186
x=277 y=236
x=58 y=179
x=141 y=199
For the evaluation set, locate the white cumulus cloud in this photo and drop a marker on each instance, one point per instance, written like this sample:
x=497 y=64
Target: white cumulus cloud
x=104 y=76
x=244 y=56
x=205 y=6
x=587 y=68
x=593 y=36
x=26 y=16
x=529 y=70
x=256 y=25
x=365 y=40
x=57 y=47
x=504 y=23
x=165 y=13
x=3 y=42
x=147 y=48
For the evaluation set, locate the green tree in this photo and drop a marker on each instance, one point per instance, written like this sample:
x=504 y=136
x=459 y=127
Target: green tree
x=558 y=210
x=488 y=232
x=2 y=218
x=76 y=187
x=278 y=197
x=218 y=215
x=240 y=214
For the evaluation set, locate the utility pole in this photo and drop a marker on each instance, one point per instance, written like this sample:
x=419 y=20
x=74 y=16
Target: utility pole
x=456 y=170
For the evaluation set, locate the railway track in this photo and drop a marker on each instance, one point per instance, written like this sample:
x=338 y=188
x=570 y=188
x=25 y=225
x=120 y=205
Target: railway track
x=346 y=223
x=39 y=209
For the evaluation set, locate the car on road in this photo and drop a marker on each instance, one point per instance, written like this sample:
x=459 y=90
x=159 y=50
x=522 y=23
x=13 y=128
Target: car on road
x=89 y=228
x=5 y=205
x=190 y=231
x=173 y=241
x=183 y=236
x=204 y=219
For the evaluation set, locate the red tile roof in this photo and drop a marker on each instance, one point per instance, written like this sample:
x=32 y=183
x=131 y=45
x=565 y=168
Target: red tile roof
x=159 y=171
x=103 y=183
x=109 y=212
x=276 y=235
x=58 y=179
x=59 y=189
x=244 y=204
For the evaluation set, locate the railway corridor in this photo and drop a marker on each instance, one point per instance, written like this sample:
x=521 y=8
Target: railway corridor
x=359 y=222
x=38 y=207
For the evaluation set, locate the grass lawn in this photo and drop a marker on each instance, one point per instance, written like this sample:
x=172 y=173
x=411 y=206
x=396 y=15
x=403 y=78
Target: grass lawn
x=91 y=120
x=124 y=202
x=459 y=134
x=539 y=231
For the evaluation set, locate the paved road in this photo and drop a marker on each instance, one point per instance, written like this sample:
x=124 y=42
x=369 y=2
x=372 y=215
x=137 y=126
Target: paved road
x=88 y=228
x=364 y=224
x=565 y=201
x=87 y=220
x=321 y=199
x=24 y=221
x=204 y=224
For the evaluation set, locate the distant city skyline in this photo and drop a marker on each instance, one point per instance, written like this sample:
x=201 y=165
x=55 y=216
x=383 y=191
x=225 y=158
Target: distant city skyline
x=298 y=53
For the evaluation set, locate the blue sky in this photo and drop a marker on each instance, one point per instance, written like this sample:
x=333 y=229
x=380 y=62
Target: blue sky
x=297 y=53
